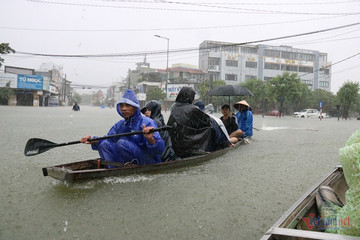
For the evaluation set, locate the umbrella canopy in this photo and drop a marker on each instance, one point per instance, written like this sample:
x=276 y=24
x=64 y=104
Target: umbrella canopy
x=230 y=90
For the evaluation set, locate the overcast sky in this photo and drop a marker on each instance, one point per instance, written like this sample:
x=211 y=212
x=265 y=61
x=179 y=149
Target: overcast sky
x=127 y=28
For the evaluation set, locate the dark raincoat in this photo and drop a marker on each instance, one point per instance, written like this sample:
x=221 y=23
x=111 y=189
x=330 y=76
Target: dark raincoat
x=134 y=148
x=155 y=108
x=194 y=132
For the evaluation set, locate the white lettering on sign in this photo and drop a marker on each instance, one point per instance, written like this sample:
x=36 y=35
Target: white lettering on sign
x=29 y=79
x=34 y=80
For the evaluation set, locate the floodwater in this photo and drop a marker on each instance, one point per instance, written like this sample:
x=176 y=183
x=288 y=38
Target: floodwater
x=237 y=196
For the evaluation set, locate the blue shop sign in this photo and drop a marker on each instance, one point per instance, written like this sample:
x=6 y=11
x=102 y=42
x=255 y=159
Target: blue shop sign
x=30 y=82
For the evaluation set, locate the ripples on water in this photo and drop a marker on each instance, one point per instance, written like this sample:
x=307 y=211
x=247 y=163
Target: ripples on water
x=237 y=196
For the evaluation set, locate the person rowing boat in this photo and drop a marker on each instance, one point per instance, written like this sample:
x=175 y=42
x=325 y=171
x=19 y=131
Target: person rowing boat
x=139 y=149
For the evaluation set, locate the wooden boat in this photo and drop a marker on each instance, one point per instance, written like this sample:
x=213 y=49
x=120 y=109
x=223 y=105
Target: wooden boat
x=96 y=168
x=294 y=225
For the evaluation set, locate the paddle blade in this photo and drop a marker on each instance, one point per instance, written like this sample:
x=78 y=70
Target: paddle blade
x=36 y=146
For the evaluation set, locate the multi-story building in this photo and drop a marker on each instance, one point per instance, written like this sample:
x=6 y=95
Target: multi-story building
x=236 y=63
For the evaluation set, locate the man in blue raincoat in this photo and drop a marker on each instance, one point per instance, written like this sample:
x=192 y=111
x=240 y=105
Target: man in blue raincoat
x=137 y=149
x=244 y=118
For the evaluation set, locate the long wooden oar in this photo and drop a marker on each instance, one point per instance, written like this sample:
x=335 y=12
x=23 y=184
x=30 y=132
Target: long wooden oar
x=36 y=146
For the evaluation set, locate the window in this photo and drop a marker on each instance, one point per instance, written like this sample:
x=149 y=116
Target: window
x=307 y=57
x=230 y=77
x=323 y=84
x=231 y=63
x=250 y=64
x=306 y=69
x=214 y=76
x=289 y=68
x=214 y=61
x=272 y=66
x=288 y=55
x=214 y=64
x=248 y=77
x=248 y=50
x=230 y=48
x=272 y=53
x=307 y=82
x=325 y=70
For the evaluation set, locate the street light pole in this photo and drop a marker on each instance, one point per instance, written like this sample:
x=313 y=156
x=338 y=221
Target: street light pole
x=167 y=68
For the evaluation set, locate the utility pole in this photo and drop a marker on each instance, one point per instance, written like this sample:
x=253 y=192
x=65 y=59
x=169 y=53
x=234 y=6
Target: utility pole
x=167 y=69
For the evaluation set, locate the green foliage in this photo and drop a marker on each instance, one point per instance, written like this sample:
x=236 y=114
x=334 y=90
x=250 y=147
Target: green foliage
x=5 y=94
x=5 y=49
x=347 y=96
x=286 y=89
x=260 y=102
x=204 y=88
x=328 y=99
x=155 y=93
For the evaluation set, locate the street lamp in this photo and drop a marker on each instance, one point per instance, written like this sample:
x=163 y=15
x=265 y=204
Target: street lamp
x=167 y=68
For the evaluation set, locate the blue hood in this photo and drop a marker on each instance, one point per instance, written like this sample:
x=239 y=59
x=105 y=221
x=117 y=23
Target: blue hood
x=129 y=97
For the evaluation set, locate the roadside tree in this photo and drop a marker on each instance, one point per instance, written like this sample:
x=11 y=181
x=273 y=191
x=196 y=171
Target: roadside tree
x=286 y=89
x=204 y=88
x=347 y=96
x=260 y=102
x=5 y=49
x=327 y=98
x=5 y=94
x=155 y=93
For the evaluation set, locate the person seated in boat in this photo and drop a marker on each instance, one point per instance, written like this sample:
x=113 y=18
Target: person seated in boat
x=138 y=149
x=153 y=110
x=244 y=118
x=219 y=126
x=194 y=132
x=200 y=104
x=230 y=121
x=76 y=107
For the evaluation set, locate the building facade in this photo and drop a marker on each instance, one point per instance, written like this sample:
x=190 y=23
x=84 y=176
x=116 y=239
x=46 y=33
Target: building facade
x=32 y=87
x=237 y=63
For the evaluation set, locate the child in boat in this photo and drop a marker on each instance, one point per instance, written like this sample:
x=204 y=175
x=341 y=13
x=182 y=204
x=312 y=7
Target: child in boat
x=230 y=121
x=137 y=149
x=153 y=110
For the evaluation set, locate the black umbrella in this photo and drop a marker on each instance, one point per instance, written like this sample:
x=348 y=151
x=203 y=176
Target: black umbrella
x=230 y=90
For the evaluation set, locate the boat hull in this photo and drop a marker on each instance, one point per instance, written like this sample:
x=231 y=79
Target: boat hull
x=292 y=226
x=89 y=169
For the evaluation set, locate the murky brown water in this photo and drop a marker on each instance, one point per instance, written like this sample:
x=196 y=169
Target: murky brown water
x=237 y=196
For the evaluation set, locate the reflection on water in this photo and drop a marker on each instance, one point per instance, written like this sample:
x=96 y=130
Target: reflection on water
x=237 y=196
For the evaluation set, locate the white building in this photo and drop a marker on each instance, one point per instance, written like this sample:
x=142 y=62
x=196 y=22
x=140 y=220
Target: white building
x=236 y=63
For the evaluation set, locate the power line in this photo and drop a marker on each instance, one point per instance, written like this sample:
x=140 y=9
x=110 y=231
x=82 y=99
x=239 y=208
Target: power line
x=231 y=9
x=241 y=3
x=163 y=29
x=330 y=65
x=183 y=49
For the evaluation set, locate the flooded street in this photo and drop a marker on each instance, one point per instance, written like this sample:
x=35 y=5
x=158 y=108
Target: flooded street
x=237 y=196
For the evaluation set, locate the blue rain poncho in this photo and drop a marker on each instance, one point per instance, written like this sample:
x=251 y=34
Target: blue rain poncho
x=245 y=122
x=135 y=148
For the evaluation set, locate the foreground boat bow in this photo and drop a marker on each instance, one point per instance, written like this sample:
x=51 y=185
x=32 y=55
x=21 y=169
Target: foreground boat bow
x=292 y=224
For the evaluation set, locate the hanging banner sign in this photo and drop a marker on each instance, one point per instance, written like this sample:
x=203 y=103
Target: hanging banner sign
x=30 y=82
